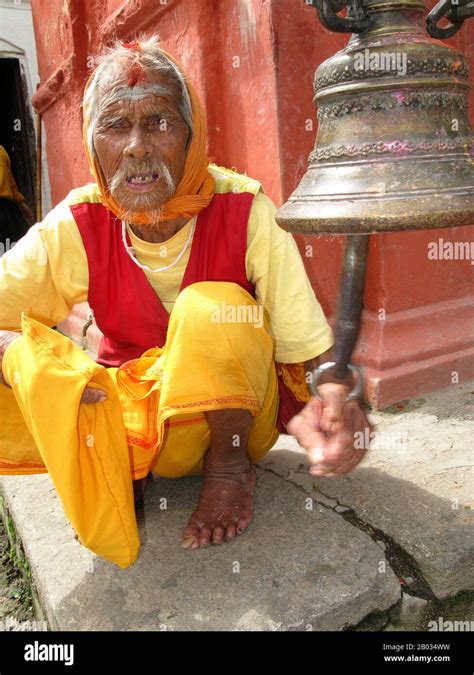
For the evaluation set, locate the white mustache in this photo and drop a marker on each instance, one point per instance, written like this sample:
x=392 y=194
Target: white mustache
x=124 y=172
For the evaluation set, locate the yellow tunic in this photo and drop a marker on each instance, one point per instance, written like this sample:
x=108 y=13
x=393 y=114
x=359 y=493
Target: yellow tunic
x=46 y=273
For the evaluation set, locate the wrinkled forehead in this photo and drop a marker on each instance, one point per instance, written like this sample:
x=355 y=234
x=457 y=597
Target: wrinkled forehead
x=134 y=83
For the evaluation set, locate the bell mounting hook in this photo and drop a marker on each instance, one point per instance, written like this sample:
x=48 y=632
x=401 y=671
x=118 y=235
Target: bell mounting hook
x=455 y=12
x=356 y=21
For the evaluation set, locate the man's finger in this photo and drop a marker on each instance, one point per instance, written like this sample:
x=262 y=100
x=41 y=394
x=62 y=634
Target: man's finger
x=92 y=395
x=316 y=453
x=338 y=446
x=321 y=470
x=306 y=429
x=356 y=419
x=334 y=400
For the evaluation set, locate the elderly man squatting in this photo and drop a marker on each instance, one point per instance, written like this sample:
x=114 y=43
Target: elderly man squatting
x=140 y=122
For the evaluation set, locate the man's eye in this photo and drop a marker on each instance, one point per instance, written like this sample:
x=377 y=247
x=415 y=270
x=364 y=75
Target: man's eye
x=116 y=124
x=159 y=121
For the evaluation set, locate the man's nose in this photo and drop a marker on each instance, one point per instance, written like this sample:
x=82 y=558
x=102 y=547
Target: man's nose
x=138 y=145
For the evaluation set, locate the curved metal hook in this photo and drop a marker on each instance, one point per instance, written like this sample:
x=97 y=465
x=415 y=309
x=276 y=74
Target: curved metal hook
x=356 y=21
x=455 y=13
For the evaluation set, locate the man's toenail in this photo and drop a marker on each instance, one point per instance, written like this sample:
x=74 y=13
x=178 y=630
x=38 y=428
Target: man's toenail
x=187 y=542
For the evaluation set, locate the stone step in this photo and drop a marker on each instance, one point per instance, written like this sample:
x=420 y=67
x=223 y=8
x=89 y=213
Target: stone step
x=296 y=568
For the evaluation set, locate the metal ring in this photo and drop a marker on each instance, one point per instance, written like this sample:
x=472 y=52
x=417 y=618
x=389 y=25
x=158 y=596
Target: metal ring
x=444 y=9
x=353 y=395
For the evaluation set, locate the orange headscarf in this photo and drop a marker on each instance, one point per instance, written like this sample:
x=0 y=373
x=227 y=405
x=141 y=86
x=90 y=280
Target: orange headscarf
x=196 y=187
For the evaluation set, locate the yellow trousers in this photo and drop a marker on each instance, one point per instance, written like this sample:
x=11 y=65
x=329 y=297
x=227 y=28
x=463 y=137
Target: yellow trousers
x=209 y=362
x=218 y=354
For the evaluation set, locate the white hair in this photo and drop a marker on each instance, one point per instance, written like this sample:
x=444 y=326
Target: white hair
x=112 y=70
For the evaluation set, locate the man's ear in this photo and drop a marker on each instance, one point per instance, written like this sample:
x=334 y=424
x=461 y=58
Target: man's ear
x=190 y=137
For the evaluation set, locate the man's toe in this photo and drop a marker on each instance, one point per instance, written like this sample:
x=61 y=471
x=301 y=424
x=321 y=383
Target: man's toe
x=242 y=525
x=231 y=532
x=218 y=535
x=190 y=536
x=205 y=536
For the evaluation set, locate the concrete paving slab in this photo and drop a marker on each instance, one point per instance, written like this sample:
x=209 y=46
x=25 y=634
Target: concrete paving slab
x=415 y=485
x=297 y=568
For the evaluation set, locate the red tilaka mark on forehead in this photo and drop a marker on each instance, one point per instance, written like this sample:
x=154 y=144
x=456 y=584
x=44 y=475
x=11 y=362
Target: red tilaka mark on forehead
x=136 y=73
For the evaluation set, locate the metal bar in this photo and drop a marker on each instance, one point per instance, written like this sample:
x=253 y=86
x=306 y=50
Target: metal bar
x=351 y=295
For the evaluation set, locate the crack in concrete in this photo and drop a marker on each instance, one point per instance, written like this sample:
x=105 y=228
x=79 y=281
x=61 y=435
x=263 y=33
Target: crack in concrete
x=383 y=614
x=400 y=561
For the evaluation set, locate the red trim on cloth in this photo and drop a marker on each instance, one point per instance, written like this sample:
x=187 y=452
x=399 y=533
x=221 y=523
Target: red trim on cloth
x=289 y=406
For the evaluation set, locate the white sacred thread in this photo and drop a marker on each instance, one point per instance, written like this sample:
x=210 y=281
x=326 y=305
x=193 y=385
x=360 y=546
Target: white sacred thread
x=131 y=251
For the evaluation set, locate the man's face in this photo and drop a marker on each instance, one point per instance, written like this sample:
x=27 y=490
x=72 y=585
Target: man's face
x=140 y=140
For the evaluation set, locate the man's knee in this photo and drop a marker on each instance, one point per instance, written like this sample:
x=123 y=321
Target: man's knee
x=220 y=334
x=218 y=302
x=207 y=293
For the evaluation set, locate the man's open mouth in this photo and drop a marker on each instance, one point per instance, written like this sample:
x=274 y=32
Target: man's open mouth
x=142 y=182
x=142 y=178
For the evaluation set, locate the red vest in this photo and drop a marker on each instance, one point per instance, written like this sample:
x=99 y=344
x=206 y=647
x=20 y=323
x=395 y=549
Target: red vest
x=127 y=310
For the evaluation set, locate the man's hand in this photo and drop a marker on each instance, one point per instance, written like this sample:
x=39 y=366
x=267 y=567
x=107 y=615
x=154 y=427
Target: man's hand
x=326 y=430
x=92 y=395
x=6 y=338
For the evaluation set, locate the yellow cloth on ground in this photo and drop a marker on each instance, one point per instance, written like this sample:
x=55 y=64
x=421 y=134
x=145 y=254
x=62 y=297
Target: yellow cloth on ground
x=83 y=447
x=8 y=186
x=46 y=272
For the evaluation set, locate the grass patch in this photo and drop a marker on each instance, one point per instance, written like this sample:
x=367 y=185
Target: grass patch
x=16 y=601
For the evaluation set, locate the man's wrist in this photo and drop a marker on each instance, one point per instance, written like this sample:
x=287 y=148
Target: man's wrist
x=327 y=378
x=6 y=338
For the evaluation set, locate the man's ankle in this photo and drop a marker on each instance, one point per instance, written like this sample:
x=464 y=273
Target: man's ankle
x=227 y=462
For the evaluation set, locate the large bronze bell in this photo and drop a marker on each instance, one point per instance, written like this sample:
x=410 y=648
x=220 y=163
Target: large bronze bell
x=393 y=145
x=393 y=149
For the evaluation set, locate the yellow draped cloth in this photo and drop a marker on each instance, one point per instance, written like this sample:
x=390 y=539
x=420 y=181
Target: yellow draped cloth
x=83 y=447
x=153 y=418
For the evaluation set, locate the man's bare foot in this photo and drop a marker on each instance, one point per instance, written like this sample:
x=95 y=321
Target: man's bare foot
x=225 y=506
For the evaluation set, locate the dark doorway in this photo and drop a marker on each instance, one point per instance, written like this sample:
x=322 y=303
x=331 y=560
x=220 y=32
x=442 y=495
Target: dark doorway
x=17 y=133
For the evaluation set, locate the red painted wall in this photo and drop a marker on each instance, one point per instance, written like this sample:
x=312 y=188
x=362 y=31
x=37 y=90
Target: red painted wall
x=253 y=63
